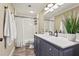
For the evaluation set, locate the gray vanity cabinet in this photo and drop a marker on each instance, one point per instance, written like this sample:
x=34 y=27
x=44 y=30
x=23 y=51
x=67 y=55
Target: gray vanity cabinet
x=45 y=48
x=37 y=45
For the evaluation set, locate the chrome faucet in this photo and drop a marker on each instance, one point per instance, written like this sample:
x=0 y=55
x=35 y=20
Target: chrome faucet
x=51 y=33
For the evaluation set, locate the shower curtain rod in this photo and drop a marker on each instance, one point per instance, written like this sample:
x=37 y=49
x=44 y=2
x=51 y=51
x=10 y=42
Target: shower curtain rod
x=48 y=20
x=24 y=17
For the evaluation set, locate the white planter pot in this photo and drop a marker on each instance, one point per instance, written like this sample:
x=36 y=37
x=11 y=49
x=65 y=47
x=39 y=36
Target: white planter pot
x=71 y=37
x=77 y=36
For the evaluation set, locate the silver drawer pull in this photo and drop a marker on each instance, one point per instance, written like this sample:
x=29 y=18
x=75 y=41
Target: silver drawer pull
x=50 y=49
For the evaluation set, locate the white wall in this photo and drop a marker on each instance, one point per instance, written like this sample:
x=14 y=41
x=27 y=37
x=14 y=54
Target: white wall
x=25 y=30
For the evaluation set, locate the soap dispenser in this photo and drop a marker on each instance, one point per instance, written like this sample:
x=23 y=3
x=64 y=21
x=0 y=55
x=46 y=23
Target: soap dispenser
x=56 y=33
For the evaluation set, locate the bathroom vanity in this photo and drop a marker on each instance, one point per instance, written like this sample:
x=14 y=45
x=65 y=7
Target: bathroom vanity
x=45 y=45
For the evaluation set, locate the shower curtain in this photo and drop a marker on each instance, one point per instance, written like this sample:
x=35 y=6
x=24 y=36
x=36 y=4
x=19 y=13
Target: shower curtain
x=25 y=31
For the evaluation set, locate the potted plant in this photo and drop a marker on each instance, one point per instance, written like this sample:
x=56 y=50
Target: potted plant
x=77 y=34
x=71 y=25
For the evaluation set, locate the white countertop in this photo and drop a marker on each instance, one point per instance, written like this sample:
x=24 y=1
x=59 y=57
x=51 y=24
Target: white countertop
x=59 y=41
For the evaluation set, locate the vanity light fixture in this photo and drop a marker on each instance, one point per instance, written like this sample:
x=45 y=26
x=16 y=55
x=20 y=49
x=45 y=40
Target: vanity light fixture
x=52 y=6
x=60 y=3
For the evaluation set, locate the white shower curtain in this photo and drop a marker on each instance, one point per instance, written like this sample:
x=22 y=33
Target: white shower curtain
x=19 y=27
x=25 y=31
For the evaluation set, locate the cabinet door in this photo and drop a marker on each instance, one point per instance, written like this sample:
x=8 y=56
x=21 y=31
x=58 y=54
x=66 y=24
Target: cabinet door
x=37 y=45
x=52 y=51
x=46 y=49
x=42 y=48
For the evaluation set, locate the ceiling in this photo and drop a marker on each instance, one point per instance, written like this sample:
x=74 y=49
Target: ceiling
x=22 y=9
x=65 y=7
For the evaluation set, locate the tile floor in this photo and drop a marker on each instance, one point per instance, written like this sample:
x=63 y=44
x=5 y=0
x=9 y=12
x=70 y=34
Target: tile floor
x=24 y=52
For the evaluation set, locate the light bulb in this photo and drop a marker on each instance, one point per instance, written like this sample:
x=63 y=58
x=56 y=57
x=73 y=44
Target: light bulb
x=32 y=12
x=50 y=5
x=46 y=8
x=55 y=6
x=51 y=9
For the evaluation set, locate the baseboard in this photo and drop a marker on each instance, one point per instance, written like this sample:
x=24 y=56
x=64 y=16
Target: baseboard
x=11 y=53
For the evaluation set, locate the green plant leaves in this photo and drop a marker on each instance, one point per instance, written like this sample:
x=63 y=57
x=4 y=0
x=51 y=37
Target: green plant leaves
x=68 y=25
x=72 y=25
x=78 y=25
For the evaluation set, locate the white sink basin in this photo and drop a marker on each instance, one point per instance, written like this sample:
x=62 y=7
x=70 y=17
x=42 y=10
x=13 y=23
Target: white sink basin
x=62 y=42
